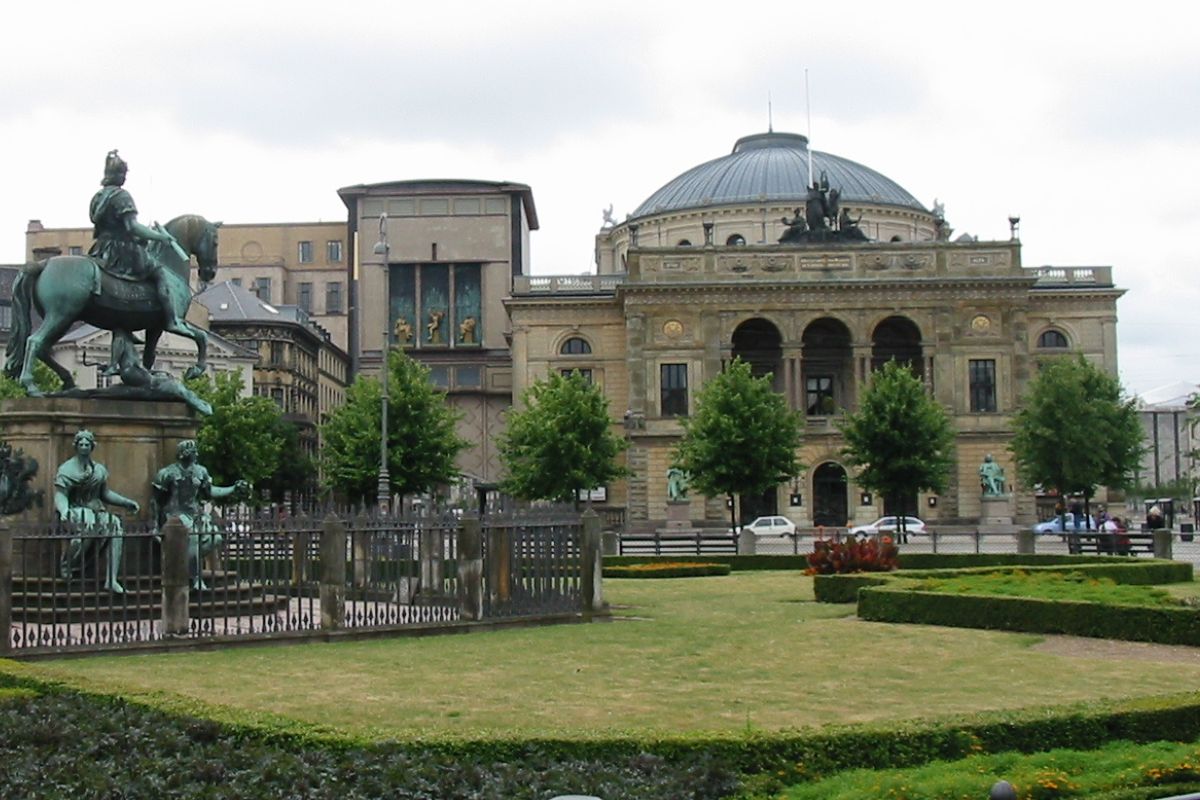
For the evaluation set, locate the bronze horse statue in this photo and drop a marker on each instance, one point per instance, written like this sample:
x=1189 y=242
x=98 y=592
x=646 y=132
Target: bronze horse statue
x=69 y=289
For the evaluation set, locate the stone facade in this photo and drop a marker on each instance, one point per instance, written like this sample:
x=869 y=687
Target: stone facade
x=453 y=250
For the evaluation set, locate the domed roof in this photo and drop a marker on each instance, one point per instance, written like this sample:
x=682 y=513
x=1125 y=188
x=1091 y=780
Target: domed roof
x=771 y=167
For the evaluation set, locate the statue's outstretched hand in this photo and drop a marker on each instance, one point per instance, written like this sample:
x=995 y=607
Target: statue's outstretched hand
x=134 y=506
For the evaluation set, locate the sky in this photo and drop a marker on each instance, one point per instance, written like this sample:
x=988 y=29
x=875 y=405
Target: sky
x=1084 y=120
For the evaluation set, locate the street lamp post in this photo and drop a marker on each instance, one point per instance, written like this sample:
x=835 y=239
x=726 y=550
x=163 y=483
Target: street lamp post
x=384 y=492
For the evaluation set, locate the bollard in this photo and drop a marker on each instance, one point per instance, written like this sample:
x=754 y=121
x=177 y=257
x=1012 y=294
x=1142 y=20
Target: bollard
x=1002 y=790
x=1164 y=543
x=747 y=543
x=333 y=573
x=176 y=585
x=1025 y=542
x=470 y=569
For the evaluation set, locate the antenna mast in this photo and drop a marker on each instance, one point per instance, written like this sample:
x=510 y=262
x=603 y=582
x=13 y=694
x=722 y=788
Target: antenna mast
x=808 y=111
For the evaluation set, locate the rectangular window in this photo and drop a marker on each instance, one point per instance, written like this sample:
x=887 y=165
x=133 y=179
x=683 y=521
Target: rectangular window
x=236 y=281
x=306 y=253
x=277 y=396
x=304 y=297
x=74 y=250
x=818 y=395
x=5 y=317
x=262 y=289
x=333 y=298
x=983 y=384
x=586 y=374
x=439 y=377
x=673 y=395
x=333 y=251
x=276 y=352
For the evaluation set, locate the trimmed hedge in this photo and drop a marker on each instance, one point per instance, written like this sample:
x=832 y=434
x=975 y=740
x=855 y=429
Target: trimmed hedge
x=1143 y=572
x=735 y=563
x=155 y=753
x=960 y=560
x=669 y=570
x=1163 y=625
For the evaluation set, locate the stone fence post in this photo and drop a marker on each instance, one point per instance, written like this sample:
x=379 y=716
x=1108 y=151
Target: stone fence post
x=470 y=569
x=6 y=585
x=499 y=565
x=591 y=581
x=1025 y=542
x=432 y=566
x=333 y=573
x=1164 y=543
x=176 y=584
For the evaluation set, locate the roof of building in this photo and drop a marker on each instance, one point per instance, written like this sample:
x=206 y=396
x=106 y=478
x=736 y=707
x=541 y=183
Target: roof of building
x=228 y=302
x=350 y=194
x=1172 y=395
x=83 y=331
x=772 y=167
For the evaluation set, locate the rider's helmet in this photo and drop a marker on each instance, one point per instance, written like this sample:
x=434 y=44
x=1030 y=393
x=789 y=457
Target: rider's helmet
x=114 y=169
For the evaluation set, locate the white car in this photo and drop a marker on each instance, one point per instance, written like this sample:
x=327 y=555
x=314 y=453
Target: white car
x=889 y=525
x=770 y=526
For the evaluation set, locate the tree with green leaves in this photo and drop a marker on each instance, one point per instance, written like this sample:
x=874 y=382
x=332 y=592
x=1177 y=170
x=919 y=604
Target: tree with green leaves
x=423 y=441
x=1074 y=431
x=560 y=441
x=296 y=474
x=43 y=377
x=742 y=438
x=240 y=440
x=900 y=439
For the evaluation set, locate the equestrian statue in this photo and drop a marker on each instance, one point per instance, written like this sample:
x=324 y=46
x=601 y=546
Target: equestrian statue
x=135 y=277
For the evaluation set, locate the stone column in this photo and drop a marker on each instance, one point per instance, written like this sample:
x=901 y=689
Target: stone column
x=470 y=569
x=1163 y=544
x=499 y=565
x=591 y=581
x=333 y=573
x=6 y=584
x=175 y=583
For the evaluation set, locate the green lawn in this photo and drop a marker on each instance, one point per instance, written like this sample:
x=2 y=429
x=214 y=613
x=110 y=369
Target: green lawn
x=745 y=651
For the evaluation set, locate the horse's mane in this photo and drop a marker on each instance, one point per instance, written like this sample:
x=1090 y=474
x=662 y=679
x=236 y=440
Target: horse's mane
x=187 y=228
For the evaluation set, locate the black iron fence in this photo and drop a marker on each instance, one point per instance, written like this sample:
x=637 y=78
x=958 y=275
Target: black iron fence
x=251 y=576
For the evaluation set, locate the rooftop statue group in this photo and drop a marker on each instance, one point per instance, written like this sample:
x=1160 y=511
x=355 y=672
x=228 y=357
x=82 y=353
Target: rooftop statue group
x=823 y=219
x=82 y=498
x=134 y=278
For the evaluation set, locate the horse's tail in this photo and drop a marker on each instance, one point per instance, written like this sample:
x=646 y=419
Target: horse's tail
x=22 y=291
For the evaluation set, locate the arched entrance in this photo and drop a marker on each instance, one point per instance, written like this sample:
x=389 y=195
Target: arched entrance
x=759 y=343
x=828 y=367
x=830 y=501
x=897 y=338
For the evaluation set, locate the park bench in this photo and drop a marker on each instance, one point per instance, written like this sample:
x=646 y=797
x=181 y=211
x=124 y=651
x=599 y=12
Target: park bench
x=678 y=544
x=1127 y=543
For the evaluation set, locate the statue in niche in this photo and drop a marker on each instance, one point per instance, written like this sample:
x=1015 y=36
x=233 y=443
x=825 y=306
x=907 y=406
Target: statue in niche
x=466 y=331
x=677 y=485
x=80 y=495
x=403 y=331
x=433 y=329
x=991 y=477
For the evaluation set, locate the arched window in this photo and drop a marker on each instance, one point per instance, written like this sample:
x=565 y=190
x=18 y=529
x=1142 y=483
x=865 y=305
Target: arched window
x=736 y=240
x=1052 y=340
x=575 y=346
x=684 y=243
x=896 y=238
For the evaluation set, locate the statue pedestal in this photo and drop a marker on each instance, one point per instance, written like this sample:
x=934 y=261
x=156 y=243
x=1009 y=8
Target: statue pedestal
x=134 y=439
x=679 y=515
x=996 y=515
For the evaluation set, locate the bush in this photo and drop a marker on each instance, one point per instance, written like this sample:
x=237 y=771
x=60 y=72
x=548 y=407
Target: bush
x=667 y=569
x=838 y=558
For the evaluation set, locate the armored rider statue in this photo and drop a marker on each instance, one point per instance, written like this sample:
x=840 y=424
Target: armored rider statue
x=120 y=239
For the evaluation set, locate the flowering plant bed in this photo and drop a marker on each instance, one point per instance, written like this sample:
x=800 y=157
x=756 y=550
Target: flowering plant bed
x=666 y=569
x=838 y=558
